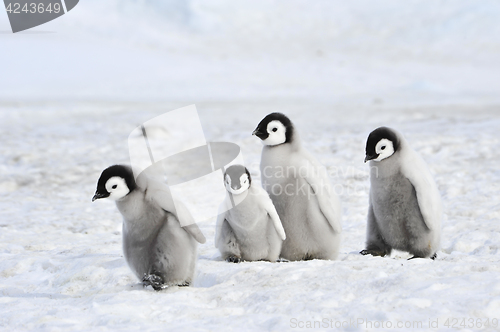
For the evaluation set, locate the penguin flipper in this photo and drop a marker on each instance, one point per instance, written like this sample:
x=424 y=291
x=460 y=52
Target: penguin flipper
x=329 y=204
x=195 y=231
x=158 y=192
x=271 y=211
x=429 y=200
x=221 y=216
x=187 y=222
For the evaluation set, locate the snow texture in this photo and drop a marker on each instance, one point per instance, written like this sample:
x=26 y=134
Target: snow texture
x=70 y=99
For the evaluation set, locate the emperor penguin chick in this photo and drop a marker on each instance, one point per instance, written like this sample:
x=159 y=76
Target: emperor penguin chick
x=300 y=189
x=250 y=228
x=405 y=205
x=157 y=249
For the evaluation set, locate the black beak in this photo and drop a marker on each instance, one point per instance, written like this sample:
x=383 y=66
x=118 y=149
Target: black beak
x=99 y=195
x=374 y=156
x=260 y=134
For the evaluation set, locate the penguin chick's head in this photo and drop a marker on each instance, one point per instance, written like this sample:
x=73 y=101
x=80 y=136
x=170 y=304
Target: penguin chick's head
x=115 y=182
x=275 y=129
x=237 y=179
x=381 y=144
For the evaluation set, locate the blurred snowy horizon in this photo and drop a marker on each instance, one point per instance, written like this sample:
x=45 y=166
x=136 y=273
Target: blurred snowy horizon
x=355 y=53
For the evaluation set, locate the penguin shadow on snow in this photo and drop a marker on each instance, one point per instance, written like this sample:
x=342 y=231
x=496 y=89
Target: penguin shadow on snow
x=205 y=280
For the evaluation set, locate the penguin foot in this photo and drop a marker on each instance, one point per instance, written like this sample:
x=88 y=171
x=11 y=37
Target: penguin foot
x=233 y=259
x=154 y=281
x=282 y=260
x=372 y=252
x=433 y=257
x=184 y=284
x=308 y=257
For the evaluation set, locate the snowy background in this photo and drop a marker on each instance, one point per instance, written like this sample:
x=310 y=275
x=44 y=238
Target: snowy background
x=73 y=89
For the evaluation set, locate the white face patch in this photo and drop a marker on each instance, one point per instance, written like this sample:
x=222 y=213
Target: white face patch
x=227 y=183
x=244 y=183
x=117 y=188
x=277 y=133
x=384 y=149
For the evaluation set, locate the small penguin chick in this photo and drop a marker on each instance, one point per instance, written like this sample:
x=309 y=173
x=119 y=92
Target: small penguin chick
x=157 y=249
x=249 y=228
x=275 y=129
x=300 y=189
x=405 y=205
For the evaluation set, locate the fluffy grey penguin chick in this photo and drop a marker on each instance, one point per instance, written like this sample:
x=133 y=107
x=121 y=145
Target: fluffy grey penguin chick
x=405 y=205
x=157 y=249
x=251 y=230
x=300 y=189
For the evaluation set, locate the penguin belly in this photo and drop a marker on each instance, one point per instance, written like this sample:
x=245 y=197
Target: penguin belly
x=250 y=226
x=308 y=233
x=398 y=215
x=155 y=243
x=140 y=231
x=174 y=253
x=138 y=254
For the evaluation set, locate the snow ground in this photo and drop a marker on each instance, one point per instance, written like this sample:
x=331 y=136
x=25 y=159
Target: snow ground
x=61 y=262
x=72 y=90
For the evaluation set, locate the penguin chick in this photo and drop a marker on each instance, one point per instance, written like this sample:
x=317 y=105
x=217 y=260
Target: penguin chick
x=251 y=230
x=300 y=189
x=405 y=206
x=157 y=249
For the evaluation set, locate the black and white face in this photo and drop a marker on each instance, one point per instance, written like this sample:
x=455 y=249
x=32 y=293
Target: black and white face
x=274 y=129
x=237 y=179
x=239 y=186
x=384 y=149
x=115 y=183
x=381 y=144
x=117 y=188
x=276 y=133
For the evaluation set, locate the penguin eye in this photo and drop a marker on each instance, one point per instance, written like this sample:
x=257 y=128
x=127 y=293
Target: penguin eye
x=275 y=129
x=383 y=148
x=114 y=187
